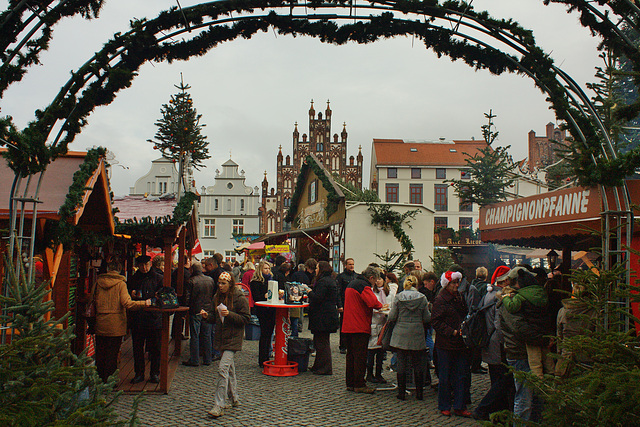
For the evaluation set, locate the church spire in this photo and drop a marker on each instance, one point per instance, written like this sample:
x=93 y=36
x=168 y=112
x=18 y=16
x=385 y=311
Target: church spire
x=344 y=132
x=327 y=112
x=312 y=112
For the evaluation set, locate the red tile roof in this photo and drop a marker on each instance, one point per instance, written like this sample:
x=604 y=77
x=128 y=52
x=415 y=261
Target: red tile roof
x=398 y=152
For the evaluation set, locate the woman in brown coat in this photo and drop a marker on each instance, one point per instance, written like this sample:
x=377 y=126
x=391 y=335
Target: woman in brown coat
x=230 y=312
x=112 y=302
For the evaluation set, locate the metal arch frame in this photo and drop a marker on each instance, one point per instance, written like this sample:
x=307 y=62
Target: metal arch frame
x=463 y=21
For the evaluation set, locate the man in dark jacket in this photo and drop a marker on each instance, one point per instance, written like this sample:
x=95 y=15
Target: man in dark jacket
x=359 y=303
x=198 y=296
x=177 y=326
x=343 y=280
x=146 y=327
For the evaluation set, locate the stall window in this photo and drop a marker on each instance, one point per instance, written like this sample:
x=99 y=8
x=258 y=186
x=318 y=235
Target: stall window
x=313 y=191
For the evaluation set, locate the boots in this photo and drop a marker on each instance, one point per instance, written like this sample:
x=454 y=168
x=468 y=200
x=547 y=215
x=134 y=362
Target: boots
x=370 y=378
x=419 y=385
x=402 y=386
x=378 y=377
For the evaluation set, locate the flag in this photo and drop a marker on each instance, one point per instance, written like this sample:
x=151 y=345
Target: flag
x=197 y=249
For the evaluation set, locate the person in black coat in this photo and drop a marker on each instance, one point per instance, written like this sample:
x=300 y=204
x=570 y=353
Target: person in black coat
x=146 y=327
x=343 y=281
x=266 y=315
x=323 y=317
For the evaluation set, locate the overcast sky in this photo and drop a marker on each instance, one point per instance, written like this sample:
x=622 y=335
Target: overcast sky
x=251 y=92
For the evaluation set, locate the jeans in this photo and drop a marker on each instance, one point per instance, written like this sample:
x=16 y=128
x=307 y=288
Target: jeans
x=199 y=328
x=524 y=400
x=226 y=384
x=452 y=366
x=294 y=327
x=430 y=344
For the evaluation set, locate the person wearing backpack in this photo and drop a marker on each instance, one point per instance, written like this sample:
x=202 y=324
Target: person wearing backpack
x=500 y=395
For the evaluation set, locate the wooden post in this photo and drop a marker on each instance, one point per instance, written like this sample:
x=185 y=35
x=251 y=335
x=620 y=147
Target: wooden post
x=180 y=275
x=166 y=281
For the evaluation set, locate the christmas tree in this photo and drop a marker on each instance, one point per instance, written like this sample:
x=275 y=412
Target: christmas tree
x=43 y=382
x=179 y=136
x=490 y=171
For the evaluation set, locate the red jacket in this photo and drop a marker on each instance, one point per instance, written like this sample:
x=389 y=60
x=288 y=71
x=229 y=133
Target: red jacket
x=359 y=302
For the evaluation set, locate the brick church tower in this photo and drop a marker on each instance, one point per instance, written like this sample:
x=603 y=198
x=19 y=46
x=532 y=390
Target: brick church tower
x=542 y=149
x=332 y=152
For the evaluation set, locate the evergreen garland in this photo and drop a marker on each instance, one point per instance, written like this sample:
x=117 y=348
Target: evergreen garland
x=65 y=232
x=152 y=230
x=388 y=219
x=97 y=82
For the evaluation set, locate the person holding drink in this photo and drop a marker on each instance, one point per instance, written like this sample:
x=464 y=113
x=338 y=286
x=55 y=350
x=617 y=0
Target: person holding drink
x=230 y=313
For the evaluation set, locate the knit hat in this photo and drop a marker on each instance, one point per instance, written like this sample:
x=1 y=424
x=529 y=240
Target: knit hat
x=225 y=276
x=448 y=277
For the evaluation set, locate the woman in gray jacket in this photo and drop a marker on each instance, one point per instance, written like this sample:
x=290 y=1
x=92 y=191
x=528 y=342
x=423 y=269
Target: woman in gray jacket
x=411 y=313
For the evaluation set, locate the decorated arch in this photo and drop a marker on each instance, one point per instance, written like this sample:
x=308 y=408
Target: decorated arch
x=449 y=28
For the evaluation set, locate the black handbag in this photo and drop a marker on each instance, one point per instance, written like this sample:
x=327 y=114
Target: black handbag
x=384 y=338
x=90 y=312
x=167 y=298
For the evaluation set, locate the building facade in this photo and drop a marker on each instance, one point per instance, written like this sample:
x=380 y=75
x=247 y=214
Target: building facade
x=542 y=149
x=415 y=173
x=161 y=179
x=330 y=151
x=227 y=210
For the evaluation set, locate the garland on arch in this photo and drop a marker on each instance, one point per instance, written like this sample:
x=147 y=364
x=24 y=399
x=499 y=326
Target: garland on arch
x=97 y=82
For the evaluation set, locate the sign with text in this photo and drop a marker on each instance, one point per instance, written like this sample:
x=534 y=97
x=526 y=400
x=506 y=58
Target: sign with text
x=276 y=249
x=568 y=205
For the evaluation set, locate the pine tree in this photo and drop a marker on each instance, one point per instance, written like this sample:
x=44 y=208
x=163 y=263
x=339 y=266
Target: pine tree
x=179 y=136
x=490 y=171
x=42 y=382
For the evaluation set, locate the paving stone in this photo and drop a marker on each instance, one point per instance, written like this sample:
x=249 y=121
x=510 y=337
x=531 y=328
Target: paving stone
x=303 y=400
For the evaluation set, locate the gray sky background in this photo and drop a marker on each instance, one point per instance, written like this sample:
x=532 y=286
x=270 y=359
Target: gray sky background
x=251 y=92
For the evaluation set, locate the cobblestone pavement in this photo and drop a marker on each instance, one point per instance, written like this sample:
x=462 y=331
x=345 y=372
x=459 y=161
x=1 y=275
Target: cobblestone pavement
x=304 y=400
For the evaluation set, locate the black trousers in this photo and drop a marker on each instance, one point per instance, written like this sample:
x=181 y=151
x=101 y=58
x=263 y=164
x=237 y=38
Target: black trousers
x=107 y=350
x=150 y=337
x=356 y=359
x=322 y=364
x=267 y=318
x=415 y=360
x=500 y=395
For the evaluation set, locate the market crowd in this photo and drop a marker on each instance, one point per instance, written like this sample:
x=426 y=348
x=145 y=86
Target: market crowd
x=417 y=324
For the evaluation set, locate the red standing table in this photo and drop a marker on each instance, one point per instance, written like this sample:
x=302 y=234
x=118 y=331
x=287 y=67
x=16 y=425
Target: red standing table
x=280 y=366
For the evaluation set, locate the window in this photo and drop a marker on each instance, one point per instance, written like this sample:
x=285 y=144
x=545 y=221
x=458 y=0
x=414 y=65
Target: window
x=162 y=187
x=319 y=146
x=229 y=257
x=209 y=227
x=465 y=175
x=392 y=172
x=441 y=197
x=287 y=202
x=465 y=222
x=416 y=173
x=415 y=194
x=238 y=226
x=313 y=191
x=241 y=204
x=215 y=204
x=440 y=222
x=228 y=204
x=209 y=254
x=392 y=193
x=466 y=207
x=441 y=173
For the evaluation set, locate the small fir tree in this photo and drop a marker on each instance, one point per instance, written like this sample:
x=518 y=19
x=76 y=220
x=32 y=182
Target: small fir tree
x=179 y=136
x=441 y=260
x=43 y=382
x=490 y=171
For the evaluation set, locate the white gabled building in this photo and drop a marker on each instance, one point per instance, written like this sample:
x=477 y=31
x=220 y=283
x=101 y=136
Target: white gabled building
x=416 y=173
x=161 y=179
x=227 y=209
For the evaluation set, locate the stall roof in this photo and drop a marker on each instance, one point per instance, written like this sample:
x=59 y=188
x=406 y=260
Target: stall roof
x=568 y=218
x=130 y=207
x=54 y=188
